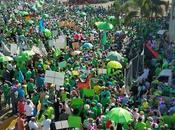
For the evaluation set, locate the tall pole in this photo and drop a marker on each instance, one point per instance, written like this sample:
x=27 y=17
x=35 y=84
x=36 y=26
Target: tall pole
x=172 y=23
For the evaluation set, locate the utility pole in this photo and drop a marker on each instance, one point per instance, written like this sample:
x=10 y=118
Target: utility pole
x=172 y=23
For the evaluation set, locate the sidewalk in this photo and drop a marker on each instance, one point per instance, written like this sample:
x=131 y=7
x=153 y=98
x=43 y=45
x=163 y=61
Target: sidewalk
x=8 y=123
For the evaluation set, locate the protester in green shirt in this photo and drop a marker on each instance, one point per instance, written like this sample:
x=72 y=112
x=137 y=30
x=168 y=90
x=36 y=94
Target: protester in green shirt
x=30 y=87
x=140 y=125
x=28 y=75
x=6 y=91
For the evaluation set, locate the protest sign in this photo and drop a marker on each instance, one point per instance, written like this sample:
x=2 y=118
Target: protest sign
x=76 y=102
x=88 y=92
x=55 y=33
x=57 y=87
x=59 y=78
x=74 y=121
x=14 y=49
x=52 y=43
x=54 y=77
x=42 y=49
x=61 y=124
x=36 y=50
x=61 y=42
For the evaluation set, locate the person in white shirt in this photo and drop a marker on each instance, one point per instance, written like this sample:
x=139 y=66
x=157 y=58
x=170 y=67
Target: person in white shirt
x=135 y=114
x=46 y=123
x=28 y=108
x=32 y=124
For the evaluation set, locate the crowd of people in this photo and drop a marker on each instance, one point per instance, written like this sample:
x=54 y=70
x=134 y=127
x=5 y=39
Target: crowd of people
x=39 y=104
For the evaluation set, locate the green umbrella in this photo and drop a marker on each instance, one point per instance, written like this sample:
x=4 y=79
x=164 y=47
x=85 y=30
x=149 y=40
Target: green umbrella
x=87 y=46
x=47 y=33
x=104 y=25
x=115 y=56
x=5 y=58
x=119 y=115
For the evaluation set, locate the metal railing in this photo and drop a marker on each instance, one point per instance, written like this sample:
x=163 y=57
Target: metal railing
x=134 y=69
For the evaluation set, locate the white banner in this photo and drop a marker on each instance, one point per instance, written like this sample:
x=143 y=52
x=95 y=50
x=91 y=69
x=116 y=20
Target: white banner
x=54 y=77
x=52 y=43
x=61 y=125
x=55 y=33
x=36 y=50
x=61 y=42
x=43 y=49
x=14 y=49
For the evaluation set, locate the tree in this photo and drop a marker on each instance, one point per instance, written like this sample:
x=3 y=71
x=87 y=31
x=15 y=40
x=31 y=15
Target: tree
x=142 y=8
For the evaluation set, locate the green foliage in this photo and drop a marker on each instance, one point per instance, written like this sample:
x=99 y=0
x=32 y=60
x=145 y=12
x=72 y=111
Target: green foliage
x=142 y=8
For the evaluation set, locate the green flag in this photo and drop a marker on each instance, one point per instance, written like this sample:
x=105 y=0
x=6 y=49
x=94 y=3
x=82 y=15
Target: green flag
x=76 y=102
x=88 y=92
x=74 y=121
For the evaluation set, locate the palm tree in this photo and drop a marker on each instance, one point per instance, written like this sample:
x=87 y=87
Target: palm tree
x=150 y=8
x=142 y=8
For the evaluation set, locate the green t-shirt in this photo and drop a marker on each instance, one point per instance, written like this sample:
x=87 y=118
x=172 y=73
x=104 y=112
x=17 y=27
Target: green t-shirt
x=140 y=126
x=63 y=96
x=33 y=73
x=72 y=83
x=94 y=62
x=157 y=71
x=35 y=98
x=23 y=68
x=1 y=73
x=6 y=89
x=30 y=86
x=169 y=119
x=94 y=109
x=28 y=75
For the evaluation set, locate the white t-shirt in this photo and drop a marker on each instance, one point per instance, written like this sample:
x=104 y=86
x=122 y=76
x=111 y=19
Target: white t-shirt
x=33 y=125
x=46 y=124
x=28 y=110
